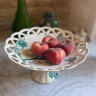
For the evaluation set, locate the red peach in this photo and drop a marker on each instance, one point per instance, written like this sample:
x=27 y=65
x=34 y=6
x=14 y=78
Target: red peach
x=55 y=55
x=67 y=45
x=52 y=42
x=46 y=39
x=39 y=48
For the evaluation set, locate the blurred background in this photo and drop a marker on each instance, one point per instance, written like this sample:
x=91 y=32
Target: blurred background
x=71 y=13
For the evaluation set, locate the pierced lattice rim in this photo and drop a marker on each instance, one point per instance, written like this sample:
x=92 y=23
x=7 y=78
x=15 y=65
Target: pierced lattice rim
x=74 y=38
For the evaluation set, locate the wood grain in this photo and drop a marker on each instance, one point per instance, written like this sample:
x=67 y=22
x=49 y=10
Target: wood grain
x=36 y=9
x=72 y=13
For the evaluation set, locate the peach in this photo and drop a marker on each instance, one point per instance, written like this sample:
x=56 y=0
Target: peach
x=67 y=45
x=46 y=39
x=55 y=55
x=52 y=42
x=39 y=48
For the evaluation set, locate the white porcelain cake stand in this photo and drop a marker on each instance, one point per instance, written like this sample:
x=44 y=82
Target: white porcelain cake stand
x=18 y=49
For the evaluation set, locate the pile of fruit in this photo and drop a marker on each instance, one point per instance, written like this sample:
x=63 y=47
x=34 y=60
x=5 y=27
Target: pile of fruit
x=53 y=51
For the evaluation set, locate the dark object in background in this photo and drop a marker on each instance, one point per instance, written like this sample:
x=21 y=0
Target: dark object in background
x=22 y=19
x=50 y=20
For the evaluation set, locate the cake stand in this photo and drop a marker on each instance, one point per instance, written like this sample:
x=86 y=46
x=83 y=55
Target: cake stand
x=18 y=49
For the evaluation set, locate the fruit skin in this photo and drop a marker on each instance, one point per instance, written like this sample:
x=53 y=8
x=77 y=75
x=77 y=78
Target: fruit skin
x=52 y=42
x=46 y=39
x=67 y=45
x=55 y=55
x=39 y=48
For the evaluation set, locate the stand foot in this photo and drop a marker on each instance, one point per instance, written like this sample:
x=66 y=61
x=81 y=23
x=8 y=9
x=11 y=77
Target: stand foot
x=44 y=77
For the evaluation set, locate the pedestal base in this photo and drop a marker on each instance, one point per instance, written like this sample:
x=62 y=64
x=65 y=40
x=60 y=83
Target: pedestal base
x=44 y=77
